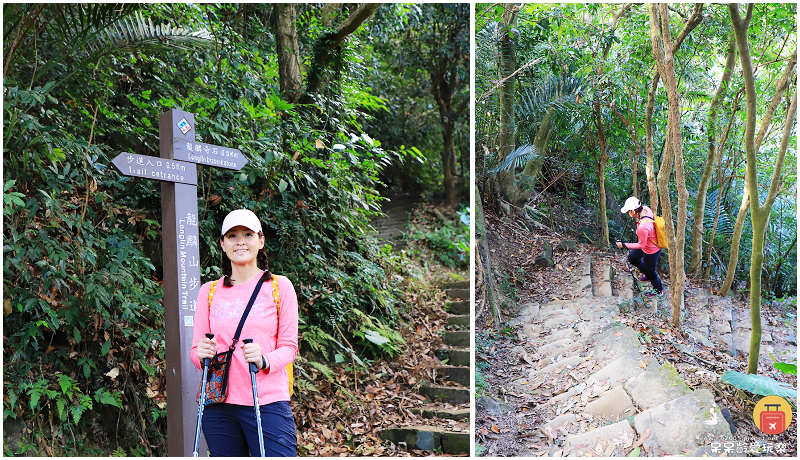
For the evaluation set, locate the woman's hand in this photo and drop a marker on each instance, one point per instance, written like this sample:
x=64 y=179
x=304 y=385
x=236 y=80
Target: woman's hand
x=619 y=244
x=206 y=348
x=252 y=354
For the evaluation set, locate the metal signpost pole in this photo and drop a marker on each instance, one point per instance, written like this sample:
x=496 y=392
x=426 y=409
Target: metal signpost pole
x=176 y=168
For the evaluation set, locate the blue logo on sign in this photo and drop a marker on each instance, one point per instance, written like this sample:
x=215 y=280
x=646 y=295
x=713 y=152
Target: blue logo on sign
x=184 y=126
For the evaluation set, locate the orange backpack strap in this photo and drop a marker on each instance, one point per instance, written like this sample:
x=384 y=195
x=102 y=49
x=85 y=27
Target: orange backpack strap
x=210 y=297
x=276 y=296
x=655 y=232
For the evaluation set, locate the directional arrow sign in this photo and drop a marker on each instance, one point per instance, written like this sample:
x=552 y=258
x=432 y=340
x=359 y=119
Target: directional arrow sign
x=207 y=154
x=131 y=164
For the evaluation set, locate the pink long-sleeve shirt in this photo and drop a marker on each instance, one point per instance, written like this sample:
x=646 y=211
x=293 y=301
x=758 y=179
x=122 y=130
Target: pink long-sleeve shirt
x=278 y=341
x=645 y=233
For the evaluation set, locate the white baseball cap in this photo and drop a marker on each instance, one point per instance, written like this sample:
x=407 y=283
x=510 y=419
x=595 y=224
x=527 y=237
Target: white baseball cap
x=631 y=204
x=243 y=217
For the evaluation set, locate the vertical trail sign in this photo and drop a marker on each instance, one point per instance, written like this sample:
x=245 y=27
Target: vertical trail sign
x=176 y=168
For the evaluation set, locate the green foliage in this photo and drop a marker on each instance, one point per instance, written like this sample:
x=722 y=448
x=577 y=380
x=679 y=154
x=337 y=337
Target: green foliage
x=81 y=243
x=481 y=387
x=786 y=368
x=759 y=384
x=448 y=240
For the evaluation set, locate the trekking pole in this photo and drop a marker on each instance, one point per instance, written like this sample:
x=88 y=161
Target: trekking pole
x=630 y=269
x=206 y=363
x=253 y=370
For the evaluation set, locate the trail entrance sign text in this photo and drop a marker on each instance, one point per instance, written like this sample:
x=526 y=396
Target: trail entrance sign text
x=176 y=169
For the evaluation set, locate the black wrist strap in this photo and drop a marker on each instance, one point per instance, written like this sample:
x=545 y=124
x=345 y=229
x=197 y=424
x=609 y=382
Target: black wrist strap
x=246 y=312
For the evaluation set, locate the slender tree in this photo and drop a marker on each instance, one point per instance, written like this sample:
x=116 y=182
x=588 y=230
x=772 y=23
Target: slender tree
x=766 y=122
x=759 y=212
x=662 y=52
x=714 y=153
x=507 y=66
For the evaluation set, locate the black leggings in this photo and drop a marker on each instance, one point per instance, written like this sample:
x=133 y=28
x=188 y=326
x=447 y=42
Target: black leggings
x=646 y=263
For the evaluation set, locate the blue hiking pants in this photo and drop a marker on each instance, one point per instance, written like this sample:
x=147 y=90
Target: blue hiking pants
x=230 y=430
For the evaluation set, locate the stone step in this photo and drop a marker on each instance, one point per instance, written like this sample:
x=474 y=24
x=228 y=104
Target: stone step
x=429 y=438
x=554 y=348
x=438 y=412
x=451 y=395
x=458 y=374
x=455 y=285
x=565 y=363
x=578 y=444
x=624 y=368
x=459 y=320
x=614 y=342
x=677 y=425
x=389 y=224
x=459 y=294
x=454 y=356
x=612 y=405
x=665 y=378
x=457 y=338
x=602 y=287
x=458 y=308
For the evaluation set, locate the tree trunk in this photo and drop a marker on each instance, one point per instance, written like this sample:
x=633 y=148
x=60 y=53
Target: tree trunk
x=648 y=144
x=714 y=150
x=780 y=87
x=453 y=182
x=691 y=23
x=507 y=65
x=601 y=174
x=662 y=51
x=635 y=154
x=324 y=49
x=721 y=181
x=733 y=260
x=290 y=76
x=759 y=213
x=484 y=262
x=328 y=13
x=443 y=68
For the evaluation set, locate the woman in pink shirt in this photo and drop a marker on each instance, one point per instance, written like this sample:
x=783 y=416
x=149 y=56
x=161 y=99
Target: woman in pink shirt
x=230 y=427
x=644 y=253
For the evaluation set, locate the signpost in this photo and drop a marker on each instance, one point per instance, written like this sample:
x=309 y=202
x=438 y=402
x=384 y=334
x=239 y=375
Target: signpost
x=176 y=168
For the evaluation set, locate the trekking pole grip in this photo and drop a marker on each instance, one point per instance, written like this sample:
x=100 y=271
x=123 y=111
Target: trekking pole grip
x=206 y=361
x=253 y=367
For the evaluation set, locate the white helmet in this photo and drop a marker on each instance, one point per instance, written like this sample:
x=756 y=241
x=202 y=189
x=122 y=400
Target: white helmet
x=631 y=204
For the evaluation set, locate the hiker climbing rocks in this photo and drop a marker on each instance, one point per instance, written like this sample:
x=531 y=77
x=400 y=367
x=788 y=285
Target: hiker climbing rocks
x=644 y=253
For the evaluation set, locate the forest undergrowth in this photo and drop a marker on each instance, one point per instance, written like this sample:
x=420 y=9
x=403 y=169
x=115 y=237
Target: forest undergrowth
x=513 y=248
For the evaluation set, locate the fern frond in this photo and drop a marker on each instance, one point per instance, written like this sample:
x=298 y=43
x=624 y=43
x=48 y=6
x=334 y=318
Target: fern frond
x=326 y=371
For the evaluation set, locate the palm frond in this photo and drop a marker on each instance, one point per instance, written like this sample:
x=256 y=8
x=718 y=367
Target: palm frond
x=556 y=93
x=138 y=31
x=518 y=158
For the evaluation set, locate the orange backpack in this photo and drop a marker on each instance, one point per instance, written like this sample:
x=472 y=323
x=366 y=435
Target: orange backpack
x=276 y=297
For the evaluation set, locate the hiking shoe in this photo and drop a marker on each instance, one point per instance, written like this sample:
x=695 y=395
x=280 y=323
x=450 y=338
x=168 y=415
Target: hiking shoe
x=643 y=278
x=654 y=293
